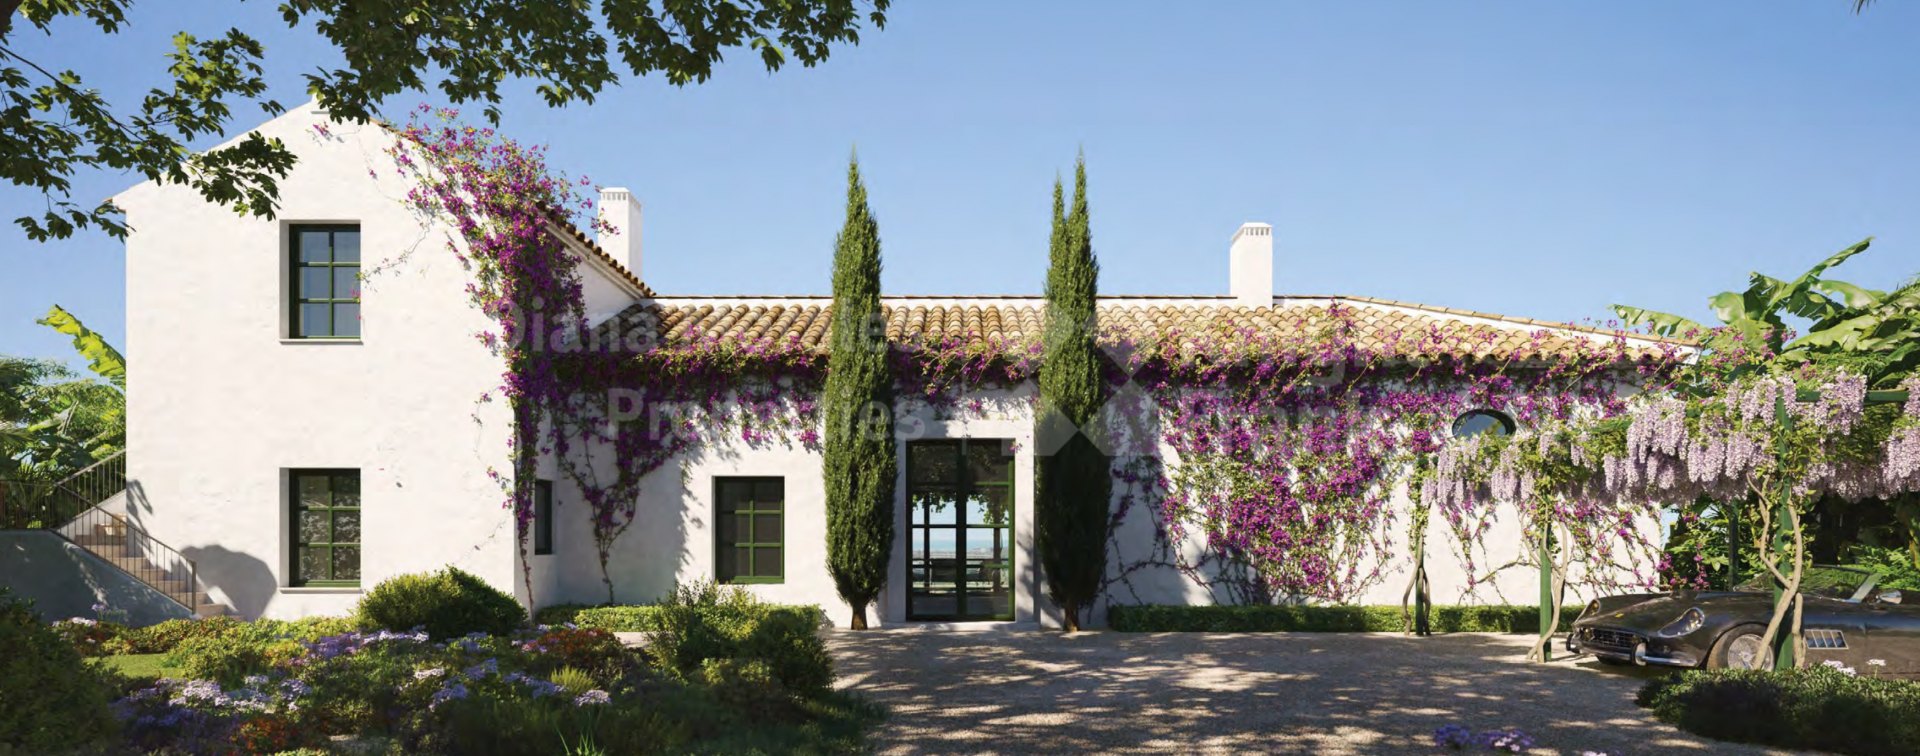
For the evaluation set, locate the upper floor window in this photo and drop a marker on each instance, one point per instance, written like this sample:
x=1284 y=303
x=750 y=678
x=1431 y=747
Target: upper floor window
x=1481 y=421
x=326 y=282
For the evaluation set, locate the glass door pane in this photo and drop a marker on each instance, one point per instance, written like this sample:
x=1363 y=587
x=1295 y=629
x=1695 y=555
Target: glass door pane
x=960 y=529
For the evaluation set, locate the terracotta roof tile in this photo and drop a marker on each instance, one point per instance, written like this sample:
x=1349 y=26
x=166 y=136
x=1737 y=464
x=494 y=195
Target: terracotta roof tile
x=1374 y=325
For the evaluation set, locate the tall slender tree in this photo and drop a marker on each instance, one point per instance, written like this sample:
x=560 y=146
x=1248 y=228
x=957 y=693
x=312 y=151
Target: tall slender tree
x=859 y=414
x=1075 y=481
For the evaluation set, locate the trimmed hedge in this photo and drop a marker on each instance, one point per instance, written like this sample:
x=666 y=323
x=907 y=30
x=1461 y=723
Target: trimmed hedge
x=1819 y=708
x=1264 y=618
x=448 y=604
x=646 y=618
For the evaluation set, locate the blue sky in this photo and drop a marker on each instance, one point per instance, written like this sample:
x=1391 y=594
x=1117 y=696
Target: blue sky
x=1533 y=159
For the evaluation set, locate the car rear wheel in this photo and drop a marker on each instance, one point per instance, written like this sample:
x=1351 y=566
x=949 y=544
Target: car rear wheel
x=1741 y=648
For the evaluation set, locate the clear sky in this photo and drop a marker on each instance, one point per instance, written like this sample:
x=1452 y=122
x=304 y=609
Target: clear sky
x=1533 y=159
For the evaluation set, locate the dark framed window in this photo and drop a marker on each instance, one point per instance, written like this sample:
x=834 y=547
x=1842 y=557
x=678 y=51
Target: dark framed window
x=960 y=502
x=751 y=543
x=1480 y=421
x=542 y=517
x=326 y=527
x=326 y=282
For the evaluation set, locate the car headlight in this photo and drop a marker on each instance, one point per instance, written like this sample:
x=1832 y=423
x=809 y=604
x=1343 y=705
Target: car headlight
x=1593 y=607
x=1688 y=621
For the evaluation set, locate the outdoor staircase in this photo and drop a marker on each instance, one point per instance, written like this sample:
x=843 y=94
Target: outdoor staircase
x=81 y=508
x=119 y=543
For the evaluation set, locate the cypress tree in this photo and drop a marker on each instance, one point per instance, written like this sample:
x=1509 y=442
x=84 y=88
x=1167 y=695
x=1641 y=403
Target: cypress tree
x=858 y=444
x=1074 y=482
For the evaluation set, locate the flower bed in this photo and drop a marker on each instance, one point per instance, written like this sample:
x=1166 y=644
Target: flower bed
x=1153 y=618
x=1823 y=708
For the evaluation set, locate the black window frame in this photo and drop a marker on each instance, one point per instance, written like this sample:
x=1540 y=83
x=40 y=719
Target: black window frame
x=725 y=552
x=297 y=508
x=296 y=268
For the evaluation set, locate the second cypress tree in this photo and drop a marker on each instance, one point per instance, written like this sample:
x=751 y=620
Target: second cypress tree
x=1075 y=482
x=858 y=405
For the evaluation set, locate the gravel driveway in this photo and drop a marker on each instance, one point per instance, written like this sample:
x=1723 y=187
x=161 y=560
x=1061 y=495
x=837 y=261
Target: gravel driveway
x=1323 y=693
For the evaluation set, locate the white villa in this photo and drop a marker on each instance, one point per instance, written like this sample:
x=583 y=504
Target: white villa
x=304 y=420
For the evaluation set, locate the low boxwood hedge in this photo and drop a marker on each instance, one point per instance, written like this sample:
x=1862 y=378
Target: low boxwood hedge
x=646 y=618
x=1154 y=618
x=1819 y=709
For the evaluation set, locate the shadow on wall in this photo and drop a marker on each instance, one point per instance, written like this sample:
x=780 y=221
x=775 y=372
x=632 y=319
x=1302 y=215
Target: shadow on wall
x=247 y=582
x=664 y=514
x=64 y=580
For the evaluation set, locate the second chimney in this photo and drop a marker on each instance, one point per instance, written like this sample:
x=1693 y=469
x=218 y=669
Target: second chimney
x=1250 y=265
x=621 y=211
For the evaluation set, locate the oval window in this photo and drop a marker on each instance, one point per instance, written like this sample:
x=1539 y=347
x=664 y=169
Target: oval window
x=1481 y=421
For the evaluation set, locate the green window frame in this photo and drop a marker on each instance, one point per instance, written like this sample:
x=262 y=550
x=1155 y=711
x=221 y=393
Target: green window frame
x=750 y=531
x=542 y=517
x=324 y=288
x=326 y=527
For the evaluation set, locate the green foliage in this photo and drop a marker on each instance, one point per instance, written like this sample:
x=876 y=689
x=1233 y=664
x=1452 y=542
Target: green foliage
x=1074 y=481
x=645 y=618
x=102 y=358
x=748 y=684
x=224 y=659
x=1274 y=618
x=447 y=604
x=54 y=422
x=1816 y=709
x=858 y=447
x=54 y=125
x=1896 y=567
x=51 y=700
x=702 y=622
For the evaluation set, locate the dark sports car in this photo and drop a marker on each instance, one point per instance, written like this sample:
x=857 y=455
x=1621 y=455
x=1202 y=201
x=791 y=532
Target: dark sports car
x=1849 y=621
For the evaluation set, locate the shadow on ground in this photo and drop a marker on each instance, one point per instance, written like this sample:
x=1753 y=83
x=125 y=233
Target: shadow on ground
x=1323 y=693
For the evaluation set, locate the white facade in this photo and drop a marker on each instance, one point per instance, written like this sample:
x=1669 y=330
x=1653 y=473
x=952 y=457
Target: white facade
x=222 y=405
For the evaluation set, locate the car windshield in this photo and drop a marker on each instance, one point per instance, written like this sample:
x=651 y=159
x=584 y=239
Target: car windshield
x=1831 y=582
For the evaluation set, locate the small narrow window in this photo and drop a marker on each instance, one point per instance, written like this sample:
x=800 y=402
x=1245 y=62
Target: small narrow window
x=1481 y=421
x=542 y=517
x=325 y=289
x=750 y=547
x=326 y=527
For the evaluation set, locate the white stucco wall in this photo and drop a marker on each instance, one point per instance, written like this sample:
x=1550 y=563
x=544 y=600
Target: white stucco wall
x=221 y=404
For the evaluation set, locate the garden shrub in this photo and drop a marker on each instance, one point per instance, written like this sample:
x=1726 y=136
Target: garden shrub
x=92 y=637
x=748 y=684
x=51 y=700
x=225 y=660
x=1821 y=708
x=1267 y=618
x=702 y=621
x=447 y=604
x=164 y=636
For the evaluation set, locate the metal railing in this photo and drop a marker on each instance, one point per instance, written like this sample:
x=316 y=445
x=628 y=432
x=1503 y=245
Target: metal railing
x=136 y=552
x=70 y=508
x=41 y=504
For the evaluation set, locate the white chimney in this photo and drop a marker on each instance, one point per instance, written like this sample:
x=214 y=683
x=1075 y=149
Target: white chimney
x=621 y=211
x=1250 y=266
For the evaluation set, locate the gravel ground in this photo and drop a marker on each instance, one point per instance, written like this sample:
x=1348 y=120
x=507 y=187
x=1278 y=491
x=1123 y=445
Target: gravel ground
x=1323 y=693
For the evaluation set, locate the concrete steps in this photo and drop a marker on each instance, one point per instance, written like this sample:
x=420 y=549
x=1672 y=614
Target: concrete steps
x=109 y=542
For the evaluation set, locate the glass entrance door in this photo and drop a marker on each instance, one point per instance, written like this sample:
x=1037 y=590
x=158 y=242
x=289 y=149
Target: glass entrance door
x=960 y=529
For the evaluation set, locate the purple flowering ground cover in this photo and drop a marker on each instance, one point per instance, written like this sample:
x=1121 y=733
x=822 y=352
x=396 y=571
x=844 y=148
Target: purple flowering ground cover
x=1320 y=693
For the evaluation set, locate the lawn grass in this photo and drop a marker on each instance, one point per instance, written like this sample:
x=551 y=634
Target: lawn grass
x=138 y=667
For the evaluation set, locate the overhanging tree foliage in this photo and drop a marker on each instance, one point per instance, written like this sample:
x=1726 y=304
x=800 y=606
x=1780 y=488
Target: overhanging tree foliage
x=858 y=445
x=1074 y=480
x=52 y=125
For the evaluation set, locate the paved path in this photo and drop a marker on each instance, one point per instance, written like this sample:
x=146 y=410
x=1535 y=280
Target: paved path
x=1321 y=693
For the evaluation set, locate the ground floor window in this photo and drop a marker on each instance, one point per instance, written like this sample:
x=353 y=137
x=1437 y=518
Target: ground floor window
x=960 y=529
x=542 y=517
x=751 y=541
x=326 y=527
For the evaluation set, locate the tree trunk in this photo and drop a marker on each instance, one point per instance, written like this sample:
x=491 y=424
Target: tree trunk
x=859 y=621
x=1069 y=618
